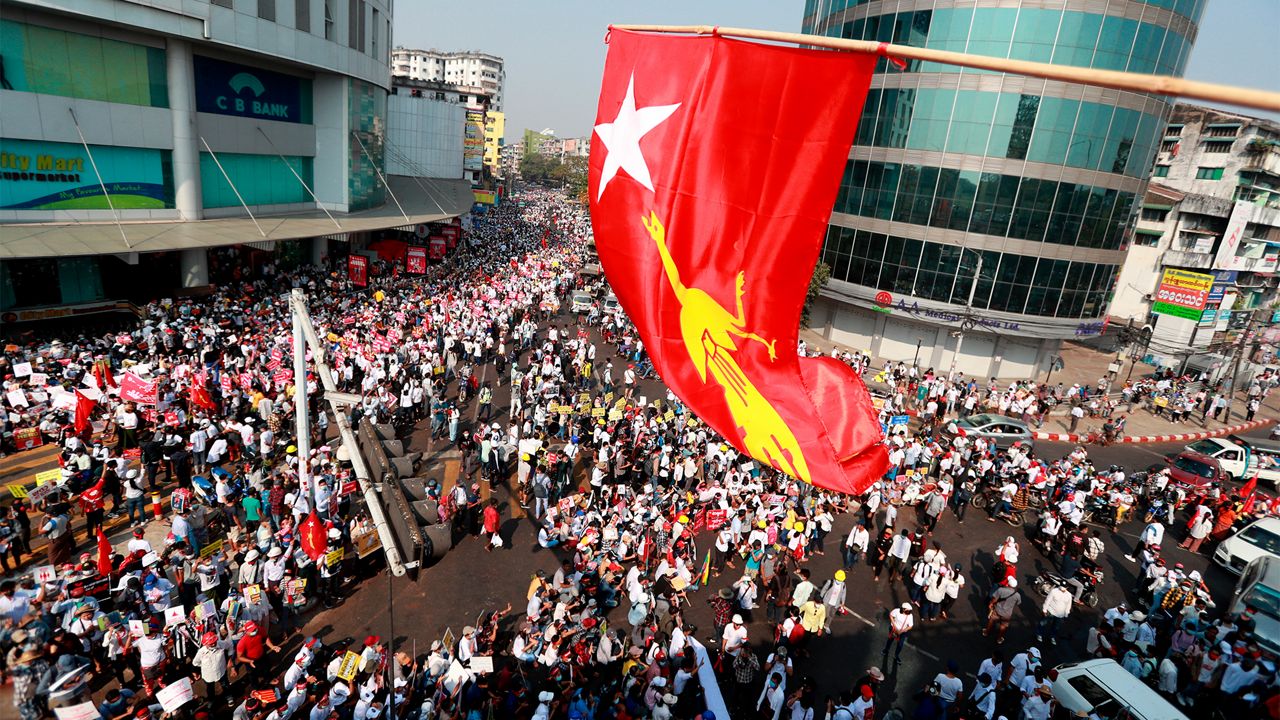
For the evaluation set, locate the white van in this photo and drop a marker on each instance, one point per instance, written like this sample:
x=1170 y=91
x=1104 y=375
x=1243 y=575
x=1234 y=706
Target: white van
x=1232 y=452
x=1104 y=688
x=1259 y=588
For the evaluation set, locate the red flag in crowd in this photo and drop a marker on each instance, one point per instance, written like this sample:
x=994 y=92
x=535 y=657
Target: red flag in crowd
x=104 y=554
x=710 y=195
x=84 y=408
x=1250 y=492
x=312 y=534
x=200 y=397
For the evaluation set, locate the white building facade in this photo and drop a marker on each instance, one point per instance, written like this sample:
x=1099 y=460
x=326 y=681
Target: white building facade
x=1213 y=208
x=466 y=68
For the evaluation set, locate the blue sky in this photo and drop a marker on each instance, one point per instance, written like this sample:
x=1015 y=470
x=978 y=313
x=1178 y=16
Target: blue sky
x=554 y=49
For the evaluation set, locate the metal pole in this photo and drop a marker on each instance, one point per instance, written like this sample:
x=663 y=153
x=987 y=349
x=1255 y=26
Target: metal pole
x=93 y=164
x=916 y=360
x=358 y=466
x=235 y=190
x=968 y=312
x=296 y=299
x=1235 y=369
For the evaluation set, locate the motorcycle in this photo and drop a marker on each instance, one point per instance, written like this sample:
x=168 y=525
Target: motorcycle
x=1090 y=579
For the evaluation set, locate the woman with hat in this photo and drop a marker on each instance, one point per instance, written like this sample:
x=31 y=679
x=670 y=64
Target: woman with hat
x=31 y=675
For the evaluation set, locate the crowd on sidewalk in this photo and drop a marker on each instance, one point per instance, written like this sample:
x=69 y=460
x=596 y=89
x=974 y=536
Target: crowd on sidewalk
x=650 y=512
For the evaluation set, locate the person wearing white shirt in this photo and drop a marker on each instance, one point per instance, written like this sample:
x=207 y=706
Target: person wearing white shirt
x=984 y=695
x=855 y=545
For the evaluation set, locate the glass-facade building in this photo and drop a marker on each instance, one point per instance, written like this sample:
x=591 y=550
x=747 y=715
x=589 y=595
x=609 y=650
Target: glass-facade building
x=1014 y=192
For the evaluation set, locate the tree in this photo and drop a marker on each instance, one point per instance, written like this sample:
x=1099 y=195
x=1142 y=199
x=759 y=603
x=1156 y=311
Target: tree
x=821 y=275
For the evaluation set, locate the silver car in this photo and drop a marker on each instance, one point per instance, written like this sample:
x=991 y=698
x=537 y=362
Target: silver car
x=1000 y=430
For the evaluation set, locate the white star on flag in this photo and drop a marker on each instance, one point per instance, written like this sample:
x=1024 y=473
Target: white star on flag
x=622 y=138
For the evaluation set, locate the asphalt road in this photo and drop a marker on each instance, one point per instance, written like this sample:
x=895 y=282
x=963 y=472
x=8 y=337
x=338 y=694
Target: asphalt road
x=452 y=592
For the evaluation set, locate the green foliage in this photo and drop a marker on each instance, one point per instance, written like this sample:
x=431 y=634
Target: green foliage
x=570 y=174
x=821 y=274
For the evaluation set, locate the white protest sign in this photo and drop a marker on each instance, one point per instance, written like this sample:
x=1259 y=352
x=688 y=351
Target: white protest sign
x=83 y=711
x=175 y=615
x=21 y=369
x=175 y=695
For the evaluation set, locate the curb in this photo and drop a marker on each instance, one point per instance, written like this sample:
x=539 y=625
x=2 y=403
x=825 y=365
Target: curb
x=1185 y=437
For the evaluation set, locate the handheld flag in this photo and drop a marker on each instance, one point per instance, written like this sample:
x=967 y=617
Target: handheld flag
x=84 y=410
x=712 y=176
x=104 y=554
x=706 y=570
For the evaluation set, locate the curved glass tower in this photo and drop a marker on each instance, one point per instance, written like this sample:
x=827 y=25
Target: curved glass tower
x=993 y=204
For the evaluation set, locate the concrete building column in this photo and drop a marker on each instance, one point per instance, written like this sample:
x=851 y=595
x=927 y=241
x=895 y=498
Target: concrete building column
x=319 y=251
x=194 y=267
x=186 y=142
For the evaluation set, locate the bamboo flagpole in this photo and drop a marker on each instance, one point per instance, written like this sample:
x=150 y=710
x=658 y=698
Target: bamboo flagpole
x=1133 y=82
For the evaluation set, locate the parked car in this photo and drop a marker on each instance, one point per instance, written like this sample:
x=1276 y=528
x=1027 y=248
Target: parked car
x=1195 y=469
x=1233 y=452
x=1001 y=430
x=1102 y=688
x=1257 y=539
x=581 y=302
x=1259 y=588
x=611 y=305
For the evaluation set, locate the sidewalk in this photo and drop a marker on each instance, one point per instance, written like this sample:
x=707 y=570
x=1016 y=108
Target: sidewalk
x=1085 y=365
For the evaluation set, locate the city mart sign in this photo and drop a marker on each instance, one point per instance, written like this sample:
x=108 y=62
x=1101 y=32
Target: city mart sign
x=227 y=88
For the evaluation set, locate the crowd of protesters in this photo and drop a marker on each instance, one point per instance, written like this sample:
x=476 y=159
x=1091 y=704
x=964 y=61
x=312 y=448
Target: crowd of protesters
x=651 y=514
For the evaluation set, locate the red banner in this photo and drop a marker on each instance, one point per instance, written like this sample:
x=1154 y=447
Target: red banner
x=135 y=389
x=416 y=260
x=27 y=438
x=451 y=235
x=438 y=245
x=358 y=270
x=710 y=195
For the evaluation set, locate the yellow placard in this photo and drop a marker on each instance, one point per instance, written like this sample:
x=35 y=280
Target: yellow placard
x=333 y=557
x=211 y=548
x=615 y=414
x=657 y=402
x=253 y=593
x=597 y=412
x=584 y=398
x=46 y=476
x=349 y=665
x=622 y=402
x=608 y=397
x=18 y=490
x=671 y=415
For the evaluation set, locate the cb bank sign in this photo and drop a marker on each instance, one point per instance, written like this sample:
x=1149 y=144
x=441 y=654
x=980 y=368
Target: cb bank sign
x=227 y=88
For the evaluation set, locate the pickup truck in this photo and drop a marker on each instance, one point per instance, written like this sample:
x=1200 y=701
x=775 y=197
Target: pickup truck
x=1233 y=451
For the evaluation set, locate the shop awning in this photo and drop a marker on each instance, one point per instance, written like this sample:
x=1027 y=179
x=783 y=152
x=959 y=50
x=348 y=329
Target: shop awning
x=1144 y=231
x=1155 y=206
x=423 y=199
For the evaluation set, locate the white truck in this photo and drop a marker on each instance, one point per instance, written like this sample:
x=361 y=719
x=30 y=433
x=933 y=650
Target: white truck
x=1233 y=452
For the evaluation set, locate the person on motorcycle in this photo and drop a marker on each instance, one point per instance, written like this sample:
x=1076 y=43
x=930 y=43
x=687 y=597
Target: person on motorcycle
x=1086 y=577
x=1050 y=526
x=1005 y=508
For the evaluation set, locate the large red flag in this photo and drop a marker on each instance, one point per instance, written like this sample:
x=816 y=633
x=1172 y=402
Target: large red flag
x=84 y=410
x=713 y=171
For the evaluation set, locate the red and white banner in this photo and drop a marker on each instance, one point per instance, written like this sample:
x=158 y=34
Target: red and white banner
x=135 y=389
x=358 y=270
x=438 y=247
x=415 y=260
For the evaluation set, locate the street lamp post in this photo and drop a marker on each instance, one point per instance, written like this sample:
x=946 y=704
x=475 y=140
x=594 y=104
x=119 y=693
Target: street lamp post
x=915 y=361
x=967 y=323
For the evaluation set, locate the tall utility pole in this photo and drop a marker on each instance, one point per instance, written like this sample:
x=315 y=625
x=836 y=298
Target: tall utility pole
x=1244 y=339
x=968 y=315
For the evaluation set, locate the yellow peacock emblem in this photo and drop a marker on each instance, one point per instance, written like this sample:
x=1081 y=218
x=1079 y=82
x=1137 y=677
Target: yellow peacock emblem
x=708 y=330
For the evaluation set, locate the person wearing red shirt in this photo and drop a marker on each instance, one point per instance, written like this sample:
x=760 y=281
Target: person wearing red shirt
x=492 y=522
x=91 y=503
x=253 y=646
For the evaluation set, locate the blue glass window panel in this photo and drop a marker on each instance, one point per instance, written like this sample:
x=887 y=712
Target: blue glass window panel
x=1036 y=32
x=1052 y=136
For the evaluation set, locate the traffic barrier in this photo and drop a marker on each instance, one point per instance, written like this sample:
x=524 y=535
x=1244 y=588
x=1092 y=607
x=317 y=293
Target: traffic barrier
x=1093 y=437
